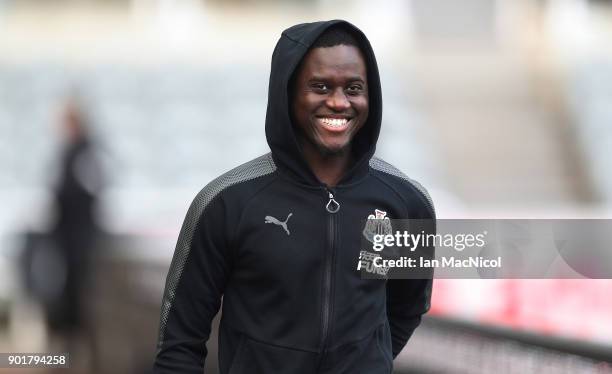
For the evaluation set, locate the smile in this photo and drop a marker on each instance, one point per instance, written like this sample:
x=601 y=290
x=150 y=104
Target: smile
x=334 y=124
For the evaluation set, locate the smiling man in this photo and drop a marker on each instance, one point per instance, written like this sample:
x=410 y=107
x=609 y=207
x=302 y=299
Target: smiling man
x=278 y=238
x=330 y=103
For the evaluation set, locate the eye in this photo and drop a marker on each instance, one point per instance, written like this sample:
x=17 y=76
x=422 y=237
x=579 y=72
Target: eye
x=319 y=87
x=354 y=89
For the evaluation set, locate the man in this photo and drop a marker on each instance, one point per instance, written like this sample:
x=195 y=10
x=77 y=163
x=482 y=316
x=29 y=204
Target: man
x=279 y=236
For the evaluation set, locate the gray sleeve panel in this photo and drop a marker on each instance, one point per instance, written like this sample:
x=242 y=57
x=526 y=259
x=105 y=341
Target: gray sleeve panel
x=385 y=167
x=258 y=167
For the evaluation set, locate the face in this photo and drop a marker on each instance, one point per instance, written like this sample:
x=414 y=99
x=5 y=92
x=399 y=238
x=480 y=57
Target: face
x=72 y=122
x=330 y=98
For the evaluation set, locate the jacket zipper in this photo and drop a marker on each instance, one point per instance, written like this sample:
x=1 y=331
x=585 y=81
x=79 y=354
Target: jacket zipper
x=332 y=207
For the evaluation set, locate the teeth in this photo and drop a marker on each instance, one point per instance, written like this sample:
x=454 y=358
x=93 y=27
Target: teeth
x=334 y=122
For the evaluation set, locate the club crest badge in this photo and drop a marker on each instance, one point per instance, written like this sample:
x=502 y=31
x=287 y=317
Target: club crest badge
x=377 y=224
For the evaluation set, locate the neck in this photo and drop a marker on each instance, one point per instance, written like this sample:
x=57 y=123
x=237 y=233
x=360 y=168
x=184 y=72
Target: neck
x=328 y=168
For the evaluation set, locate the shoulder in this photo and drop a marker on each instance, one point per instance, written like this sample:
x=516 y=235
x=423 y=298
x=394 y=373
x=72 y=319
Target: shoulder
x=393 y=176
x=250 y=171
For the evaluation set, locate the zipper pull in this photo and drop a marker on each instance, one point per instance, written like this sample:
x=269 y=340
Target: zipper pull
x=332 y=205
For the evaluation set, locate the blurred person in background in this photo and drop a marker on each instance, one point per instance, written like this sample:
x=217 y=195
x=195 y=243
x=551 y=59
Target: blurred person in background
x=58 y=267
x=279 y=237
x=75 y=197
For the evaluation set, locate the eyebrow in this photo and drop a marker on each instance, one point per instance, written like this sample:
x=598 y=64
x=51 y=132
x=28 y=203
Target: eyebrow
x=350 y=79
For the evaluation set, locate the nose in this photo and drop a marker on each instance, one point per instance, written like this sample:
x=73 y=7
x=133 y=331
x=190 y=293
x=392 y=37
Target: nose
x=338 y=100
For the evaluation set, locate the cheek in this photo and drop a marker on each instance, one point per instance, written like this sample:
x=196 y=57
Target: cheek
x=361 y=105
x=307 y=105
x=300 y=110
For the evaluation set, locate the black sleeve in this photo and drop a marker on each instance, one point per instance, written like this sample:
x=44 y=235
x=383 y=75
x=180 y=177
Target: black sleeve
x=409 y=299
x=194 y=286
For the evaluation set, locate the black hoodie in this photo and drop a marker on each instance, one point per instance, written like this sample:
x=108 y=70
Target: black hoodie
x=260 y=236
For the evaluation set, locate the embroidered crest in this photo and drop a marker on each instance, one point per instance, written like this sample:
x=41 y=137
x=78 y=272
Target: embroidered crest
x=377 y=224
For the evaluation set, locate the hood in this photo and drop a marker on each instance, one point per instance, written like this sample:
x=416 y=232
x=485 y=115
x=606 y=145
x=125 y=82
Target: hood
x=286 y=151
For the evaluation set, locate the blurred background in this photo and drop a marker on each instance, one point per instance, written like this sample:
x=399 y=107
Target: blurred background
x=114 y=114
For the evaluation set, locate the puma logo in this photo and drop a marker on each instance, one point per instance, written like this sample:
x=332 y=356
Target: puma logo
x=283 y=224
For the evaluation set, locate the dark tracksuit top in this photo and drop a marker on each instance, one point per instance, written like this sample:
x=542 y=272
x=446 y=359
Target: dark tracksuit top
x=260 y=239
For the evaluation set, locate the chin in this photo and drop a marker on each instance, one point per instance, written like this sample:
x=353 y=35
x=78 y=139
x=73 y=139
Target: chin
x=333 y=150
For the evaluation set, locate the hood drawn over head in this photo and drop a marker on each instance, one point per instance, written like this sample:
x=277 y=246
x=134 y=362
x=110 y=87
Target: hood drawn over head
x=291 y=48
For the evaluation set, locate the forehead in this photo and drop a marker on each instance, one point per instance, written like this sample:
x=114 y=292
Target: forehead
x=343 y=60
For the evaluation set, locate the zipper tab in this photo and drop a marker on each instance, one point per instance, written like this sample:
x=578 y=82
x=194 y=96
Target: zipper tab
x=332 y=205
